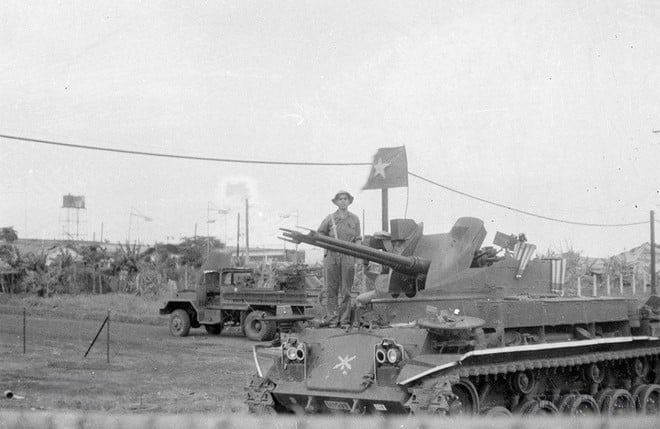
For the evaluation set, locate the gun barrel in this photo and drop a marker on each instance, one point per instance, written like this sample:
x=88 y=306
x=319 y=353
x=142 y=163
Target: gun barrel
x=404 y=264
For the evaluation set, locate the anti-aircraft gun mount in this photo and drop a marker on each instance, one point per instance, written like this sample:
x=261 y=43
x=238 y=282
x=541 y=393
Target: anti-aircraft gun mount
x=410 y=253
x=464 y=334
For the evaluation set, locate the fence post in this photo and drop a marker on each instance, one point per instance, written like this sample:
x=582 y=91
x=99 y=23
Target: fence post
x=621 y=284
x=634 y=283
x=595 y=292
x=579 y=287
x=107 y=349
x=645 y=281
x=24 y=321
x=609 y=290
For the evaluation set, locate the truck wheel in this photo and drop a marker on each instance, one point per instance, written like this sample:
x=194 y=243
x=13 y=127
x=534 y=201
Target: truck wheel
x=257 y=329
x=214 y=329
x=179 y=323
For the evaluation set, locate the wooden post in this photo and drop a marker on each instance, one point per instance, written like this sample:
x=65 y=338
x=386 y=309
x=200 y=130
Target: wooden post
x=654 y=290
x=385 y=209
x=24 y=320
x=107 y=349
x=247 y=233
x=579 y=287
x=621 y=284
x=634 y=283
x=646 y=279
x=609 y=290
x=238 y=238
x=595 y=291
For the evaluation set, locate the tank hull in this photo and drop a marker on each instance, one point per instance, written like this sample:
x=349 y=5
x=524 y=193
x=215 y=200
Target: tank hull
x=470 y=383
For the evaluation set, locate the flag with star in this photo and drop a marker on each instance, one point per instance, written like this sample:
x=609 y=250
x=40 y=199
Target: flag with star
x=389 y=169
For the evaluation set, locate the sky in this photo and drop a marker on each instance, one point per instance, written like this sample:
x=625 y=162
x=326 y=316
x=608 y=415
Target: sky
x=547 y=107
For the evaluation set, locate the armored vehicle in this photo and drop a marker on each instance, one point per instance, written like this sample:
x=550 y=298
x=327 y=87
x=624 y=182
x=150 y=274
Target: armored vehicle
x=227 y=295
x=461 y=329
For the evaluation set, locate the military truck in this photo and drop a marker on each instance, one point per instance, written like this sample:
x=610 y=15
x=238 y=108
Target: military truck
x=237 y=296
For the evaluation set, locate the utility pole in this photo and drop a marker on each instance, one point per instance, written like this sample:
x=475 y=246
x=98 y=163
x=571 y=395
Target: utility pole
x=130 y=220
x=208 y=233
x=238 y=237
x=247 y=233
x=653 y=289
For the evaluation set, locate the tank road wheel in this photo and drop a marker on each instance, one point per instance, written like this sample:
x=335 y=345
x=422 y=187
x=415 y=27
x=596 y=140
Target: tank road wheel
x=257 y=329
x=639 y=367
x=579 y=405
x=614 y=402
x=523 y=382
x=600 y=397
x=594 y=373
x=468 y=398
x=179 y=323
x=214 y=329
x=537 y=408
x=497 y=411
x=647 y=397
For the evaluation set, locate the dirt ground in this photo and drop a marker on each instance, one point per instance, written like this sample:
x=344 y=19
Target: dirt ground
x=149 y=370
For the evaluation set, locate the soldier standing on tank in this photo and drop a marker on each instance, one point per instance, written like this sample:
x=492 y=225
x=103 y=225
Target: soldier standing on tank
x=340 y=268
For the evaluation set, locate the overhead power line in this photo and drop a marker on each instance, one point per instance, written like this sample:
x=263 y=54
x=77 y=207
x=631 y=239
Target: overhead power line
x=166 y=155
x=523 y=211
x=248 y=161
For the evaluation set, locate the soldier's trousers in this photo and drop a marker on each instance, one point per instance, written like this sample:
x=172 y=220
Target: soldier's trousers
x=339 y=273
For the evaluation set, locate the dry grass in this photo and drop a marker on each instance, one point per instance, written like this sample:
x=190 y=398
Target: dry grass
x=124 y=307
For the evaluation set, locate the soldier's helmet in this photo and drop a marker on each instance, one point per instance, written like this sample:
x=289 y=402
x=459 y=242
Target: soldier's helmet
x=340 y=193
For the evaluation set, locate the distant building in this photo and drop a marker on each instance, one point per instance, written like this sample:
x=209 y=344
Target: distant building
x=258 y=255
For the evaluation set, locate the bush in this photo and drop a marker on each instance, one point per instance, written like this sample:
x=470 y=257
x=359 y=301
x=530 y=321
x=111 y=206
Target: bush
x=128 y=270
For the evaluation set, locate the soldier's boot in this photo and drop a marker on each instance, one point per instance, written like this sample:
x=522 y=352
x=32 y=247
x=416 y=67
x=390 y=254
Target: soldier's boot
x=333 y=320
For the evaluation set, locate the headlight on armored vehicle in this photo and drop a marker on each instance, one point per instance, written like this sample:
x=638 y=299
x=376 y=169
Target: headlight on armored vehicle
x=381 y=354
x=291 y=353
x=301 y=352
x=388 y=352
x=394 y=355
x=293 y=350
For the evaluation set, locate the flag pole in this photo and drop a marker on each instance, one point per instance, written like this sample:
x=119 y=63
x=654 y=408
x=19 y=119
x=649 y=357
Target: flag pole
x=384 y=205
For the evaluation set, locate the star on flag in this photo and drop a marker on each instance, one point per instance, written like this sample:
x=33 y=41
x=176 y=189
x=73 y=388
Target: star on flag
x=389 y=169
x=379 y=168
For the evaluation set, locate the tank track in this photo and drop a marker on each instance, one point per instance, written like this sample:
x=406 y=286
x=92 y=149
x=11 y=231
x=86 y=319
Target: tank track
x=612 y=382
x=557 y=363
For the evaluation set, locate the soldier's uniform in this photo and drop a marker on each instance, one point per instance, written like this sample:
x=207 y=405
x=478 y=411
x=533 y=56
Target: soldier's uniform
x=340 y=268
